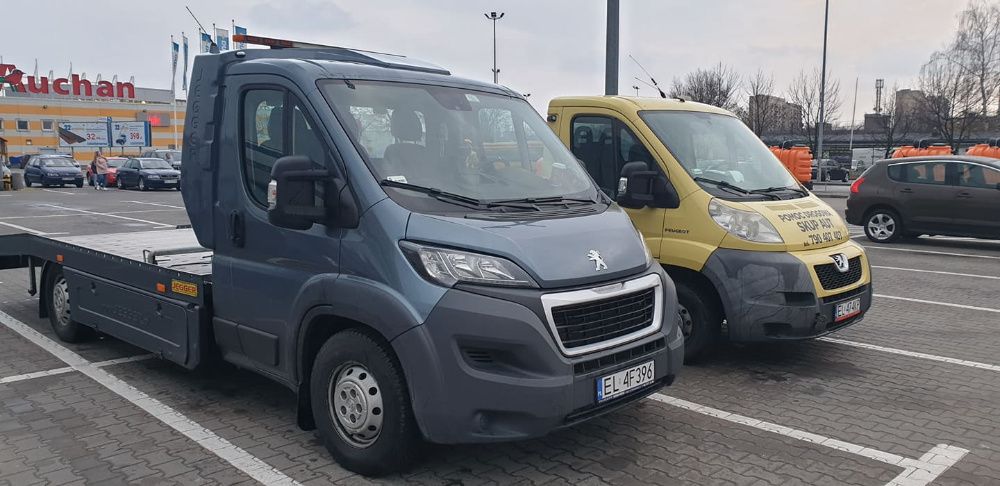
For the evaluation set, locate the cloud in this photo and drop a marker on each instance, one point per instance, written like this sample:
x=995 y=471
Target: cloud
x=304 y=16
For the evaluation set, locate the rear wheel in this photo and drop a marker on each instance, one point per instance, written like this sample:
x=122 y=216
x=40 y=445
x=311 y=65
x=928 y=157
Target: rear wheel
x=59 y=310
x=701 y=323
x=883 y=226
x=27 y=181
x=119 y=183
x=361 y=405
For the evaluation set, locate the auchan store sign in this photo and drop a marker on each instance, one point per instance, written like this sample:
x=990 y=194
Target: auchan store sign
x=11 y=76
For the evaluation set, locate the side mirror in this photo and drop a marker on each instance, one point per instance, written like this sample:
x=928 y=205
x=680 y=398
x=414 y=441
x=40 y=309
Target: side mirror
x=640 y=187
x=291 y=194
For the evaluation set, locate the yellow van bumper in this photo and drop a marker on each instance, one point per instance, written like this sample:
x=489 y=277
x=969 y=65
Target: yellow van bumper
x=770 y=296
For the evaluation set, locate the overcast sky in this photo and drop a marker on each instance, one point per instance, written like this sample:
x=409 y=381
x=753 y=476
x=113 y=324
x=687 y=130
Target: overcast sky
x=546 y=47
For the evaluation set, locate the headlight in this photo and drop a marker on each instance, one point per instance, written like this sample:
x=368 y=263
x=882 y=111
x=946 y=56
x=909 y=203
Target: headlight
x=746 y=225
x=152 y=176
x=447 y=267
x=645 y=249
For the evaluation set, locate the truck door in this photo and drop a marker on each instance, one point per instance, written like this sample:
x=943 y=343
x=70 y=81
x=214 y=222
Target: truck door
x=604 y=144
x=260 y=270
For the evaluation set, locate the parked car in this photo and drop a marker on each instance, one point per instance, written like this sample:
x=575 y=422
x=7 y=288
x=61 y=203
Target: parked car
x=25 y=159
x=937 y=195
x=829 y=170
x=52 y=170
x=146 y=173
x=112 y=177
x=172 y=156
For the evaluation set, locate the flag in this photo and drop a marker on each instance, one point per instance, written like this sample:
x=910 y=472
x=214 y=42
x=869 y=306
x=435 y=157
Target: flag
x=240 y=31
x=206 y=42
x=184 y=73
x=222 y=39
x=174 y=48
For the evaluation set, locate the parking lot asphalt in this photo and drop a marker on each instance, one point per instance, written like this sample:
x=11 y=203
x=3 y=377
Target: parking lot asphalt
x=911 y=395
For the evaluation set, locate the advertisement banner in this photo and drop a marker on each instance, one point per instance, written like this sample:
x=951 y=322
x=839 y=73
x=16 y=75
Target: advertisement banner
x=184 y=73
x=130 y=134
x=206 y=42
x=241 y=31
x=83 y=134
x=222 y=39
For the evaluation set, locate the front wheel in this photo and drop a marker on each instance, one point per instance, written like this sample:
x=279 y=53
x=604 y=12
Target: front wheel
x=79 y=183
x=361 y=405
x=59 y=308
x=883 y=226
x=142 y=185
x=27 y=181
x=701 y=322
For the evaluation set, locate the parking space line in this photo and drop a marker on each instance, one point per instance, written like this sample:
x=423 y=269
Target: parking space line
x=37 y=374
x=237 y=457
x=973 y=275
x=107 y=215
x=155 y=204
x=128 y=359
x=916 y=472
x=932 y=252
x=59 y=192
x=914 y=354
x=22 y=228
x=934 y=302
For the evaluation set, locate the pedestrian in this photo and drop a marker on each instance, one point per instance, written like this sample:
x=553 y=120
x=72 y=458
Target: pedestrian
x=101 y=165
x=93 y=171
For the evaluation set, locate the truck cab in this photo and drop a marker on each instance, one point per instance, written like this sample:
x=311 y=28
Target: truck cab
x=416 y=254
x=754 y=255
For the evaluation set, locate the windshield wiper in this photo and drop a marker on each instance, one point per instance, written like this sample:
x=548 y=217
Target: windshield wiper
x=535 y=201
x=458 y=199
x=722 y=184
x=770 y=190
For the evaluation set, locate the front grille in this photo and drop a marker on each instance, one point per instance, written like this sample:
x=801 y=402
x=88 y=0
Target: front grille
x=845 y=295
x=831 y=278
x=597 y=321
x=618 y=358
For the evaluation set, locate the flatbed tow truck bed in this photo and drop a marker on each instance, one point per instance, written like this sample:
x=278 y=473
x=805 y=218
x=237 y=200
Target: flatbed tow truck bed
x=152 y=289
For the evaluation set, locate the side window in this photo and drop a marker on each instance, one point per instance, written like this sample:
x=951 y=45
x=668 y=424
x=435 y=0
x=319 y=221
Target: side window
x=925 y=173
x=593 y=143
x=896 y=172
x=263 y=114
x=305 y=138
x=972 y=175
x=631 y=149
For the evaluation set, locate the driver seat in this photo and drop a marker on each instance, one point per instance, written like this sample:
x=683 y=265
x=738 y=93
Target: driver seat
x=407 y=152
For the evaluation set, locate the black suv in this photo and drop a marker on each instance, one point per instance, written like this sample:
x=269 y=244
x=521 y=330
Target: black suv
x=936 y=195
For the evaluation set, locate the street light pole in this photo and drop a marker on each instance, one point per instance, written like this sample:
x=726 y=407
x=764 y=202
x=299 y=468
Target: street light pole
x=822 y=87
x=494 y=17
x=611 y=50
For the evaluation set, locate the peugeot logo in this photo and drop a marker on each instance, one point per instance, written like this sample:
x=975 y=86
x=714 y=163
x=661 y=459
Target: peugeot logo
x=595 y=256
x=841 y=262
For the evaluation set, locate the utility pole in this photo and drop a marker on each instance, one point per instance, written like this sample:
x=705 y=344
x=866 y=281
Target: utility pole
x=636 y=88
x=494 y=17
x=822 y=87
x=611 y=51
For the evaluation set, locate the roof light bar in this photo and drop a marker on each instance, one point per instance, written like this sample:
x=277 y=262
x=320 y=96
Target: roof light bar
x=272 y=42
x=355 y=55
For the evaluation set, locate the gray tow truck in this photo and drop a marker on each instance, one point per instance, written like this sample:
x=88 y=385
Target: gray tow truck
x=416 y=256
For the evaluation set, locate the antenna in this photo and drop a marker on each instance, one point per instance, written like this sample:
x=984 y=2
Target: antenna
x=213 y=47
x=654 y=85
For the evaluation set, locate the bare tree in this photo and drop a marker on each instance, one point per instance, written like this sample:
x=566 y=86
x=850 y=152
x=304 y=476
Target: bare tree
x=718 y=86
x=894 y=123
x=951 y=101
x=761 y=113
x=804 y=91
x=977 y=50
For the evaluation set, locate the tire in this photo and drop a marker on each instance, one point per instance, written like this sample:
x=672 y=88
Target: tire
x=142 y=185
x=348 y=361
x=79 y=184
x=58 y=304
x=883 y=226
x=27 y=181
x=701 y=322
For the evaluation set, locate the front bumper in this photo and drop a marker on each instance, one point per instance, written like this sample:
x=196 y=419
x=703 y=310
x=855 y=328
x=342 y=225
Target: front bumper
x=163 y=183
x=53 y=179
x=487 y=369
x=772 y=296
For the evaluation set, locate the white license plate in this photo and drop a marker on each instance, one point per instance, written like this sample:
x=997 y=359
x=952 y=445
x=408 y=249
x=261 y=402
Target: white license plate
x=624 y=381
x=69 y=178
x=847 y=309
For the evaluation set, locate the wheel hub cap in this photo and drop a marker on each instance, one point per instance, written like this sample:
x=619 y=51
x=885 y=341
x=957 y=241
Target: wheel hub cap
x=60 y=301
x=687 y=323
x=356 y=405
x=881 y=226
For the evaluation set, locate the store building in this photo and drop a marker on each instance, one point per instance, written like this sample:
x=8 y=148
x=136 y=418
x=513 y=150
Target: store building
x=32 y=109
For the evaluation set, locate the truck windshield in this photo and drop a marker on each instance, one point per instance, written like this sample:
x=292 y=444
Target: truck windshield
x=468 y=143
x=715 y=148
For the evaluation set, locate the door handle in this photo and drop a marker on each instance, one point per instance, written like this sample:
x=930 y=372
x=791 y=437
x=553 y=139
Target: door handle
x=965 y=195
x=906 y=190
x=236 y=229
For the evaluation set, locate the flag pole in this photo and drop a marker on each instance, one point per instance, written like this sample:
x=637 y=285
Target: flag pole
x=173 y=91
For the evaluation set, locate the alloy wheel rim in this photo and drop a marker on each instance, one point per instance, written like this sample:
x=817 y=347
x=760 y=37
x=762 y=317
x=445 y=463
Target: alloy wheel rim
x=60 y=301
x=356 y=405
x=881 y=226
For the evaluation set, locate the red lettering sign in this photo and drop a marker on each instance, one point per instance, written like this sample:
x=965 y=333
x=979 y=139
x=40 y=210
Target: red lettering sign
x=11 y=76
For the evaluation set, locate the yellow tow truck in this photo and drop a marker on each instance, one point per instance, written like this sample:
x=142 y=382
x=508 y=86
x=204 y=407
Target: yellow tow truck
x=755 y=256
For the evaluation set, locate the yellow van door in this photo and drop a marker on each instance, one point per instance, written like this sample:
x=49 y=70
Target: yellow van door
x=604 y=143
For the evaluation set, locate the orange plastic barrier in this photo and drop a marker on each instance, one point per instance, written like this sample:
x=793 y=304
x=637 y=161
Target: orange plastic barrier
x=798 y=161
x=911 y=151
x=984 y=150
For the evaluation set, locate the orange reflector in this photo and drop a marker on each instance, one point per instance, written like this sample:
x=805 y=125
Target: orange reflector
x=59 y=258
x=184 y=288
x=161 y=288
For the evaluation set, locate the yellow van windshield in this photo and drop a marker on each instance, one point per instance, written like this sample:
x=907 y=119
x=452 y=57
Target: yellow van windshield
x=718 y=147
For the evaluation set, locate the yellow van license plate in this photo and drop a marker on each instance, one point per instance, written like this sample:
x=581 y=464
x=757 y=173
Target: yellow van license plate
x=847 y=309
x=624 y=381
